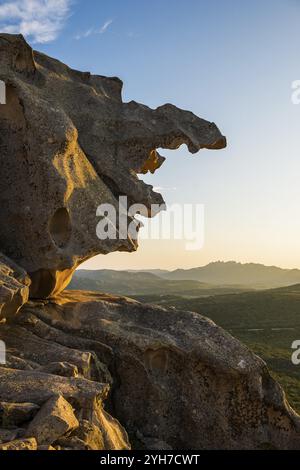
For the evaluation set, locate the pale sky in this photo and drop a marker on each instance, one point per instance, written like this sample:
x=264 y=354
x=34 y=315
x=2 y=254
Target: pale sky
x=232 y=62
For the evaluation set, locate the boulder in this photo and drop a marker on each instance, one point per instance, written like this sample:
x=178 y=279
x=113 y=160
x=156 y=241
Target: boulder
x=55 y=419
x=7 y=435
x=71 y=144
x=178 y=380
x=90 y=435
x=15 y=414
x=41 y=352
x=37 y=387
x=14 y=287
x=64 y=369
x=20 y=444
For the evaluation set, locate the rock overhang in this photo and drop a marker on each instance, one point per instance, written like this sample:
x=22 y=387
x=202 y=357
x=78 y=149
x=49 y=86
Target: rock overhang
x=69 y=144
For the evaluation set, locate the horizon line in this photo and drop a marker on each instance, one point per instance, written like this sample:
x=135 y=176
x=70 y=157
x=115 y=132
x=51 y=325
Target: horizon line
x=185 y=268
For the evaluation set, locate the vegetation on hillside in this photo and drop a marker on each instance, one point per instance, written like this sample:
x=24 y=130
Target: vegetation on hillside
x=266 y=321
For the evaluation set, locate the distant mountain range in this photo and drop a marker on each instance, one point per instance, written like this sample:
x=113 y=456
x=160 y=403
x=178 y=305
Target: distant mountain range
x=142 y=283
x=232 y=273
x=215 y=278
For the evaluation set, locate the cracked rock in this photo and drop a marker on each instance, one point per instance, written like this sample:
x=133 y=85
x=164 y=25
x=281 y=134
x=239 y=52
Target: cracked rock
x=72 y=144
x=55 y=419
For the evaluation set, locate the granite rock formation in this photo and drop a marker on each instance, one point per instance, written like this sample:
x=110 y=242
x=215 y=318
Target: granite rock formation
x=173 y=379
x=94 y=371
x=68 y=144
x=14 y=287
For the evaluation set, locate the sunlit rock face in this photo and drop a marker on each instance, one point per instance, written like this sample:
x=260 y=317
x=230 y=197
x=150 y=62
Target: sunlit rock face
x=68 y=144
x=177 y=380
x=14 y=288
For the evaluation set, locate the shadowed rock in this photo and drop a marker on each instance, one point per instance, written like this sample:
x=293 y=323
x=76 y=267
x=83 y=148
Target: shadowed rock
x=178 y=380
x=68 y=144
x=14 y=287
x=55 y=419
x=15 y=414
x=20 y=444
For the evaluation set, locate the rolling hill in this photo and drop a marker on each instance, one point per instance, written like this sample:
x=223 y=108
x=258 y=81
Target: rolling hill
x=232 y=295
x=266 y=321
x=232 y=273
x=132 y=283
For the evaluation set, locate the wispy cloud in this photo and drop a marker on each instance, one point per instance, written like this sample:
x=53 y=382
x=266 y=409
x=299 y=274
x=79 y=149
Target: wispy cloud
x=91 y=31
x=163 y=188
x=86 y=34
x=105 y=26
x=39 y=21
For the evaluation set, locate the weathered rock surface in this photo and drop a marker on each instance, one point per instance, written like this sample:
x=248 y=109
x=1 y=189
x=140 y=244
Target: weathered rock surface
x=84 y=368
x=20 y=444
x=176 y=379
x=68 y=144
x=7 y=435
x=14 y=287
x=15 y=414
x=55 y=419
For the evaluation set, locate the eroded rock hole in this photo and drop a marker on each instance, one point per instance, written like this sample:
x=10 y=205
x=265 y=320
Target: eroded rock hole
x=157 y=360
x=60 y=227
